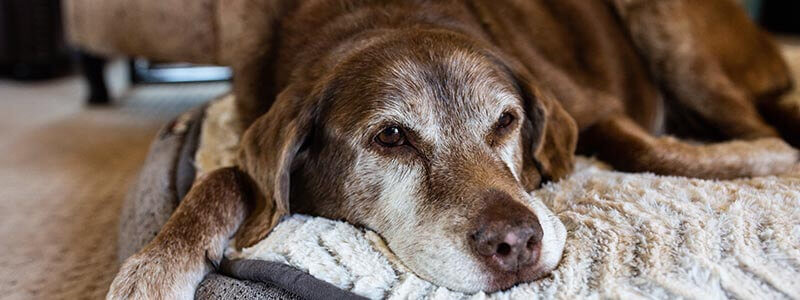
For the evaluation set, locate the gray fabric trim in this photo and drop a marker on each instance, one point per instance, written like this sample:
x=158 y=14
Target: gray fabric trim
x=185 y=170
x=286 y=277
x=154 y=196
x=219 y=287
x=151 y=201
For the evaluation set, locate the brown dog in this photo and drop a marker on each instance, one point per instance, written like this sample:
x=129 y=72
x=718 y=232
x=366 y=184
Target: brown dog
x=429 y=121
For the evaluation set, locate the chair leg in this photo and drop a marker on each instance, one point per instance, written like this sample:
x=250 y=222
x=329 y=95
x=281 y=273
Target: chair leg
x=93 y=72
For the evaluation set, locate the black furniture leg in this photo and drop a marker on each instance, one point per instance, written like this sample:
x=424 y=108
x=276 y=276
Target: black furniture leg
x=93 y=71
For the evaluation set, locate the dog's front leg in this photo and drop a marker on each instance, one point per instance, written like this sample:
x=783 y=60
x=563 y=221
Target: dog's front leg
x=190 y=244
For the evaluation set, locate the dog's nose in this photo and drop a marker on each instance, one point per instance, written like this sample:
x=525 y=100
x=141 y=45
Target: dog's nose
x=510 y=248
x=508 y=236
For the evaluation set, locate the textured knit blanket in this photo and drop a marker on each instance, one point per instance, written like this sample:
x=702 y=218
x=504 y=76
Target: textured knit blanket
x=629 y=236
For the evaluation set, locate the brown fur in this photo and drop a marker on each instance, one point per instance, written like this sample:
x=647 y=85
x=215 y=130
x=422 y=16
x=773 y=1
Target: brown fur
x=617 y=72
x=190 y=244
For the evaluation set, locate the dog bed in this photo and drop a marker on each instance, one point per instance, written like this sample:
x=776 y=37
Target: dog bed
x=628 y=235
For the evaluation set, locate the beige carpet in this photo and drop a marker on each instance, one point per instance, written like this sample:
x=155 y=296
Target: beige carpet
x=63 y=171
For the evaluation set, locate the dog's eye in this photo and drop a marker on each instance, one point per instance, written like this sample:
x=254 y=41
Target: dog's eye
x=391 y=137
x=504 y=120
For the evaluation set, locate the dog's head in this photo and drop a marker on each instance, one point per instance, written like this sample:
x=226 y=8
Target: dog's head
x=430 y=140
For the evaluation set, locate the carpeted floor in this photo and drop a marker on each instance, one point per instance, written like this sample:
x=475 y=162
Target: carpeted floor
x=63 y=171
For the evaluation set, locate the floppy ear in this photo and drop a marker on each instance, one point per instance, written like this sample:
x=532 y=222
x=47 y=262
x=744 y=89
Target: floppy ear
x=550 y=135
x=267 y=152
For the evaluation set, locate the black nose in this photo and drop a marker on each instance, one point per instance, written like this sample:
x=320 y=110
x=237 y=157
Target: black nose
x=508 y=235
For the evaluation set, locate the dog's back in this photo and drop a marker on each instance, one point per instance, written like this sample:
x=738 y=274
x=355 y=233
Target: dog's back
x=582 y=41
x=590 y=55
x=582 y=51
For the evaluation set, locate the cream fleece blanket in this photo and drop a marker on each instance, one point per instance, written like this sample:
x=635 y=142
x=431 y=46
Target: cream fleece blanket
x=628 y=236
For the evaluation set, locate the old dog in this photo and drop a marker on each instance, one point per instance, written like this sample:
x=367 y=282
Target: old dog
x=430 y=121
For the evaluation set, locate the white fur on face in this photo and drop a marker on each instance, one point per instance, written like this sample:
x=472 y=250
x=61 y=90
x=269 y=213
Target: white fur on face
x=427 y=249
x=399 y=195
x=487 y=100
x=443 y=259
x=554 y=234
x=398 y=198
x=410 y=106
x=511 y=154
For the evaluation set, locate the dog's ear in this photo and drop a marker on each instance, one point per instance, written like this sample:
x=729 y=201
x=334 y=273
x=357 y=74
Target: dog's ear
x=267 y=153
x=550 y=134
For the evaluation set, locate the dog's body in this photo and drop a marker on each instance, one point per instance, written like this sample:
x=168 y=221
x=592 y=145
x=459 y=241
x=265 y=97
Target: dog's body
x=428 y=121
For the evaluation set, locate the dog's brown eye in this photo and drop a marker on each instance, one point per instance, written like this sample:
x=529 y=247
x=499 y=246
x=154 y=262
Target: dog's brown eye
x=391 y=137
x=504 y=120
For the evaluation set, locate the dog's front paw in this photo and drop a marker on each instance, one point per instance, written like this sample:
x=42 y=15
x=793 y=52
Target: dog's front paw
x=149 y=275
